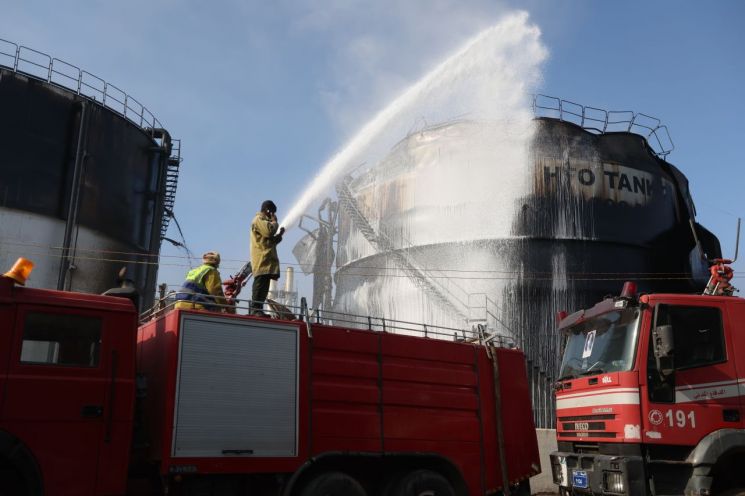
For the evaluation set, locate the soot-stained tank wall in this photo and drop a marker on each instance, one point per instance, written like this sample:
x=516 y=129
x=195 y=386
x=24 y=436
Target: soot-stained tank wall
x=43 y=129
x=612 y=191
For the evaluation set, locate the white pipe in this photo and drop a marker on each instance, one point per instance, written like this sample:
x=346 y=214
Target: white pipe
x=289 y=280
x=272 y=290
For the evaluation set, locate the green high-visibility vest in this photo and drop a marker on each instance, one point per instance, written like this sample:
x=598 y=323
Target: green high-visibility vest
x=193 y=287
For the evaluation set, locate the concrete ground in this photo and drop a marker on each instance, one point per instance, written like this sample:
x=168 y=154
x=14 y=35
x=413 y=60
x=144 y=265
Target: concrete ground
x=543 y=482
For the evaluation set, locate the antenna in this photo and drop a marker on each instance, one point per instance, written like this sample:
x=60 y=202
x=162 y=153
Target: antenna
x=737 y=242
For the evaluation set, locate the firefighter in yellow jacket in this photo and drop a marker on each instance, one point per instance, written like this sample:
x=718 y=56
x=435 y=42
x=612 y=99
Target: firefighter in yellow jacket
x=202 y=289
x=265 y=236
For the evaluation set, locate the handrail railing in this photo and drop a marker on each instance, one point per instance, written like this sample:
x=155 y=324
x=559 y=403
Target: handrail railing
x=603 y=121
x=340 y=319
x=39 y=65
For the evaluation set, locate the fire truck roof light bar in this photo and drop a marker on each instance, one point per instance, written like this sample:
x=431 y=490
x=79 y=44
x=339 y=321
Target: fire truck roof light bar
x=629 y=290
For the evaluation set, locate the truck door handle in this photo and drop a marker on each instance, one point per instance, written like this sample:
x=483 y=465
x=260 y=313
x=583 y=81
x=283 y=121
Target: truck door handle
x=731 y=415
x=91 y=411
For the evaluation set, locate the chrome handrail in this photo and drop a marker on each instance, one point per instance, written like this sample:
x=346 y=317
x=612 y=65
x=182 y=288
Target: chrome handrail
x=302 y=313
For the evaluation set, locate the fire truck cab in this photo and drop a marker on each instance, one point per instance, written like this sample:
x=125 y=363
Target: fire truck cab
x=650 y=397
x=66 y=391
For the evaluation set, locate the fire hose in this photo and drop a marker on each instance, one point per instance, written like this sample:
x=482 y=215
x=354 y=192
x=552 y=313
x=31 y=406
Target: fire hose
x=233 y=285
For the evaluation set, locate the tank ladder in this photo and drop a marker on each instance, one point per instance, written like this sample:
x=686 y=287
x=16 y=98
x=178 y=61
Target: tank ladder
x=383 y=244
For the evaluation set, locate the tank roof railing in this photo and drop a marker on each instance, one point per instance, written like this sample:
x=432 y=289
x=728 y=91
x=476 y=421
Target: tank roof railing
x=477 y=334
x=39 y=65
x=604 y=121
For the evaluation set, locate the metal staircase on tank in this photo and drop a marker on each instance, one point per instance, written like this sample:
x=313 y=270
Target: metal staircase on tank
x=384 y=245
x=172 y=170
x=485 y=325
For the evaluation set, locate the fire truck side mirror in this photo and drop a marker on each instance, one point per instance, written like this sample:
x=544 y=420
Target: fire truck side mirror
x=664 y=349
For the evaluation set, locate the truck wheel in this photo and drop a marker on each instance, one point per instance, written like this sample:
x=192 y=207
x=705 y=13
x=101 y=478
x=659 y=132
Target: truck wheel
x=11 y=482
x=390 y=483
x=333 y=484
x=424 y=483
x=521 y=489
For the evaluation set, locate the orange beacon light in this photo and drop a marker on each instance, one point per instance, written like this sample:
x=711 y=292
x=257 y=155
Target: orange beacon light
x=21 y=271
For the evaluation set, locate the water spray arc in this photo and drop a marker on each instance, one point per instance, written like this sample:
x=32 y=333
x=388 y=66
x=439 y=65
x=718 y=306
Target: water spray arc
x=457 y=195
x=453 y=87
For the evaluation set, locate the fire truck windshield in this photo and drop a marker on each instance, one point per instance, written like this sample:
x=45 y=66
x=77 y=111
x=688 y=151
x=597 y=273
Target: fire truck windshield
x=605 y=343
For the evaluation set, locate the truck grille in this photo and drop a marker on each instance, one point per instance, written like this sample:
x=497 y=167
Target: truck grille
x=586 y=425
x=588 y=434
x=583 y=426
x=585 y=447
x=603 y=416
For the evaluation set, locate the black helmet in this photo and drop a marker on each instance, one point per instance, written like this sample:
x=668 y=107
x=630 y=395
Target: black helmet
x=269 y=205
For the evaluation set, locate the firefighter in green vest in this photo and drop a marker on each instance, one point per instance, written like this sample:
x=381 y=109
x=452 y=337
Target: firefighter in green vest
x=202 y=289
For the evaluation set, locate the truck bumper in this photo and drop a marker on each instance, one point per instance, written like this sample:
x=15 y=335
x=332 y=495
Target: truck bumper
x=582 y=473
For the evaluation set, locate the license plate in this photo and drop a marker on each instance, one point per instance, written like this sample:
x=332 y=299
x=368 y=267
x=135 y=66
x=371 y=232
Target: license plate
x=579 y=479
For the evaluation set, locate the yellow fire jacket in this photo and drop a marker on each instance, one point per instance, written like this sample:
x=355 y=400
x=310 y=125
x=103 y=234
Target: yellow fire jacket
x=264 y=259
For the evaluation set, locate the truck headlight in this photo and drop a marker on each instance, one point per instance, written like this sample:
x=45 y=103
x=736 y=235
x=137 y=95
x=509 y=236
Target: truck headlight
x=614 y=482
x=558 y=479
x=559 y=471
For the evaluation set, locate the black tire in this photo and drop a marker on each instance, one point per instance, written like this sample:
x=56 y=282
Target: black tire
x=390 y=483
x=423 y=483
x=12 y=482
x=333 y=484
x=733 y=492
x=521 y=489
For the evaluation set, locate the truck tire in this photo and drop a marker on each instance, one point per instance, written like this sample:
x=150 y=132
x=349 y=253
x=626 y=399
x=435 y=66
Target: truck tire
x=12 y=482
x=733 y=492
x=333 y=484
x=390 y=483
x=423 y=483
x=521 y=489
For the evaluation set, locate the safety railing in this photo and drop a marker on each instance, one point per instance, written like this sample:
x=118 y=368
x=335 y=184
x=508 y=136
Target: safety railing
x=604 y=121
x=271 y=309
x=39 y=65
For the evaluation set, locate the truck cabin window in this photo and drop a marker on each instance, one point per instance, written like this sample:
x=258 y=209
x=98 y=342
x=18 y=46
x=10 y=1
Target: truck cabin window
x=604 y=343
x=697 y=333
x=61 y=339
x=698 y=341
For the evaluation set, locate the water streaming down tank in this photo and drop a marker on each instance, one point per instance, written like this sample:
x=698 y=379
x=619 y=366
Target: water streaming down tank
x=593 y=207
x=88 y=176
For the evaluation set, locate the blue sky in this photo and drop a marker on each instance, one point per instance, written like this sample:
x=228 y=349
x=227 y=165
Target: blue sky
x=263 y=93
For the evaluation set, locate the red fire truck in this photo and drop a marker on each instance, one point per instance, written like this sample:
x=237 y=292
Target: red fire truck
x=203 y=403
x=650 y=395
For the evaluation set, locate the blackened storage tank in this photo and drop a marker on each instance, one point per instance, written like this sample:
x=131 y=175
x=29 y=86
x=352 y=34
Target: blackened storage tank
x=87 y=176
x=591 y=209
